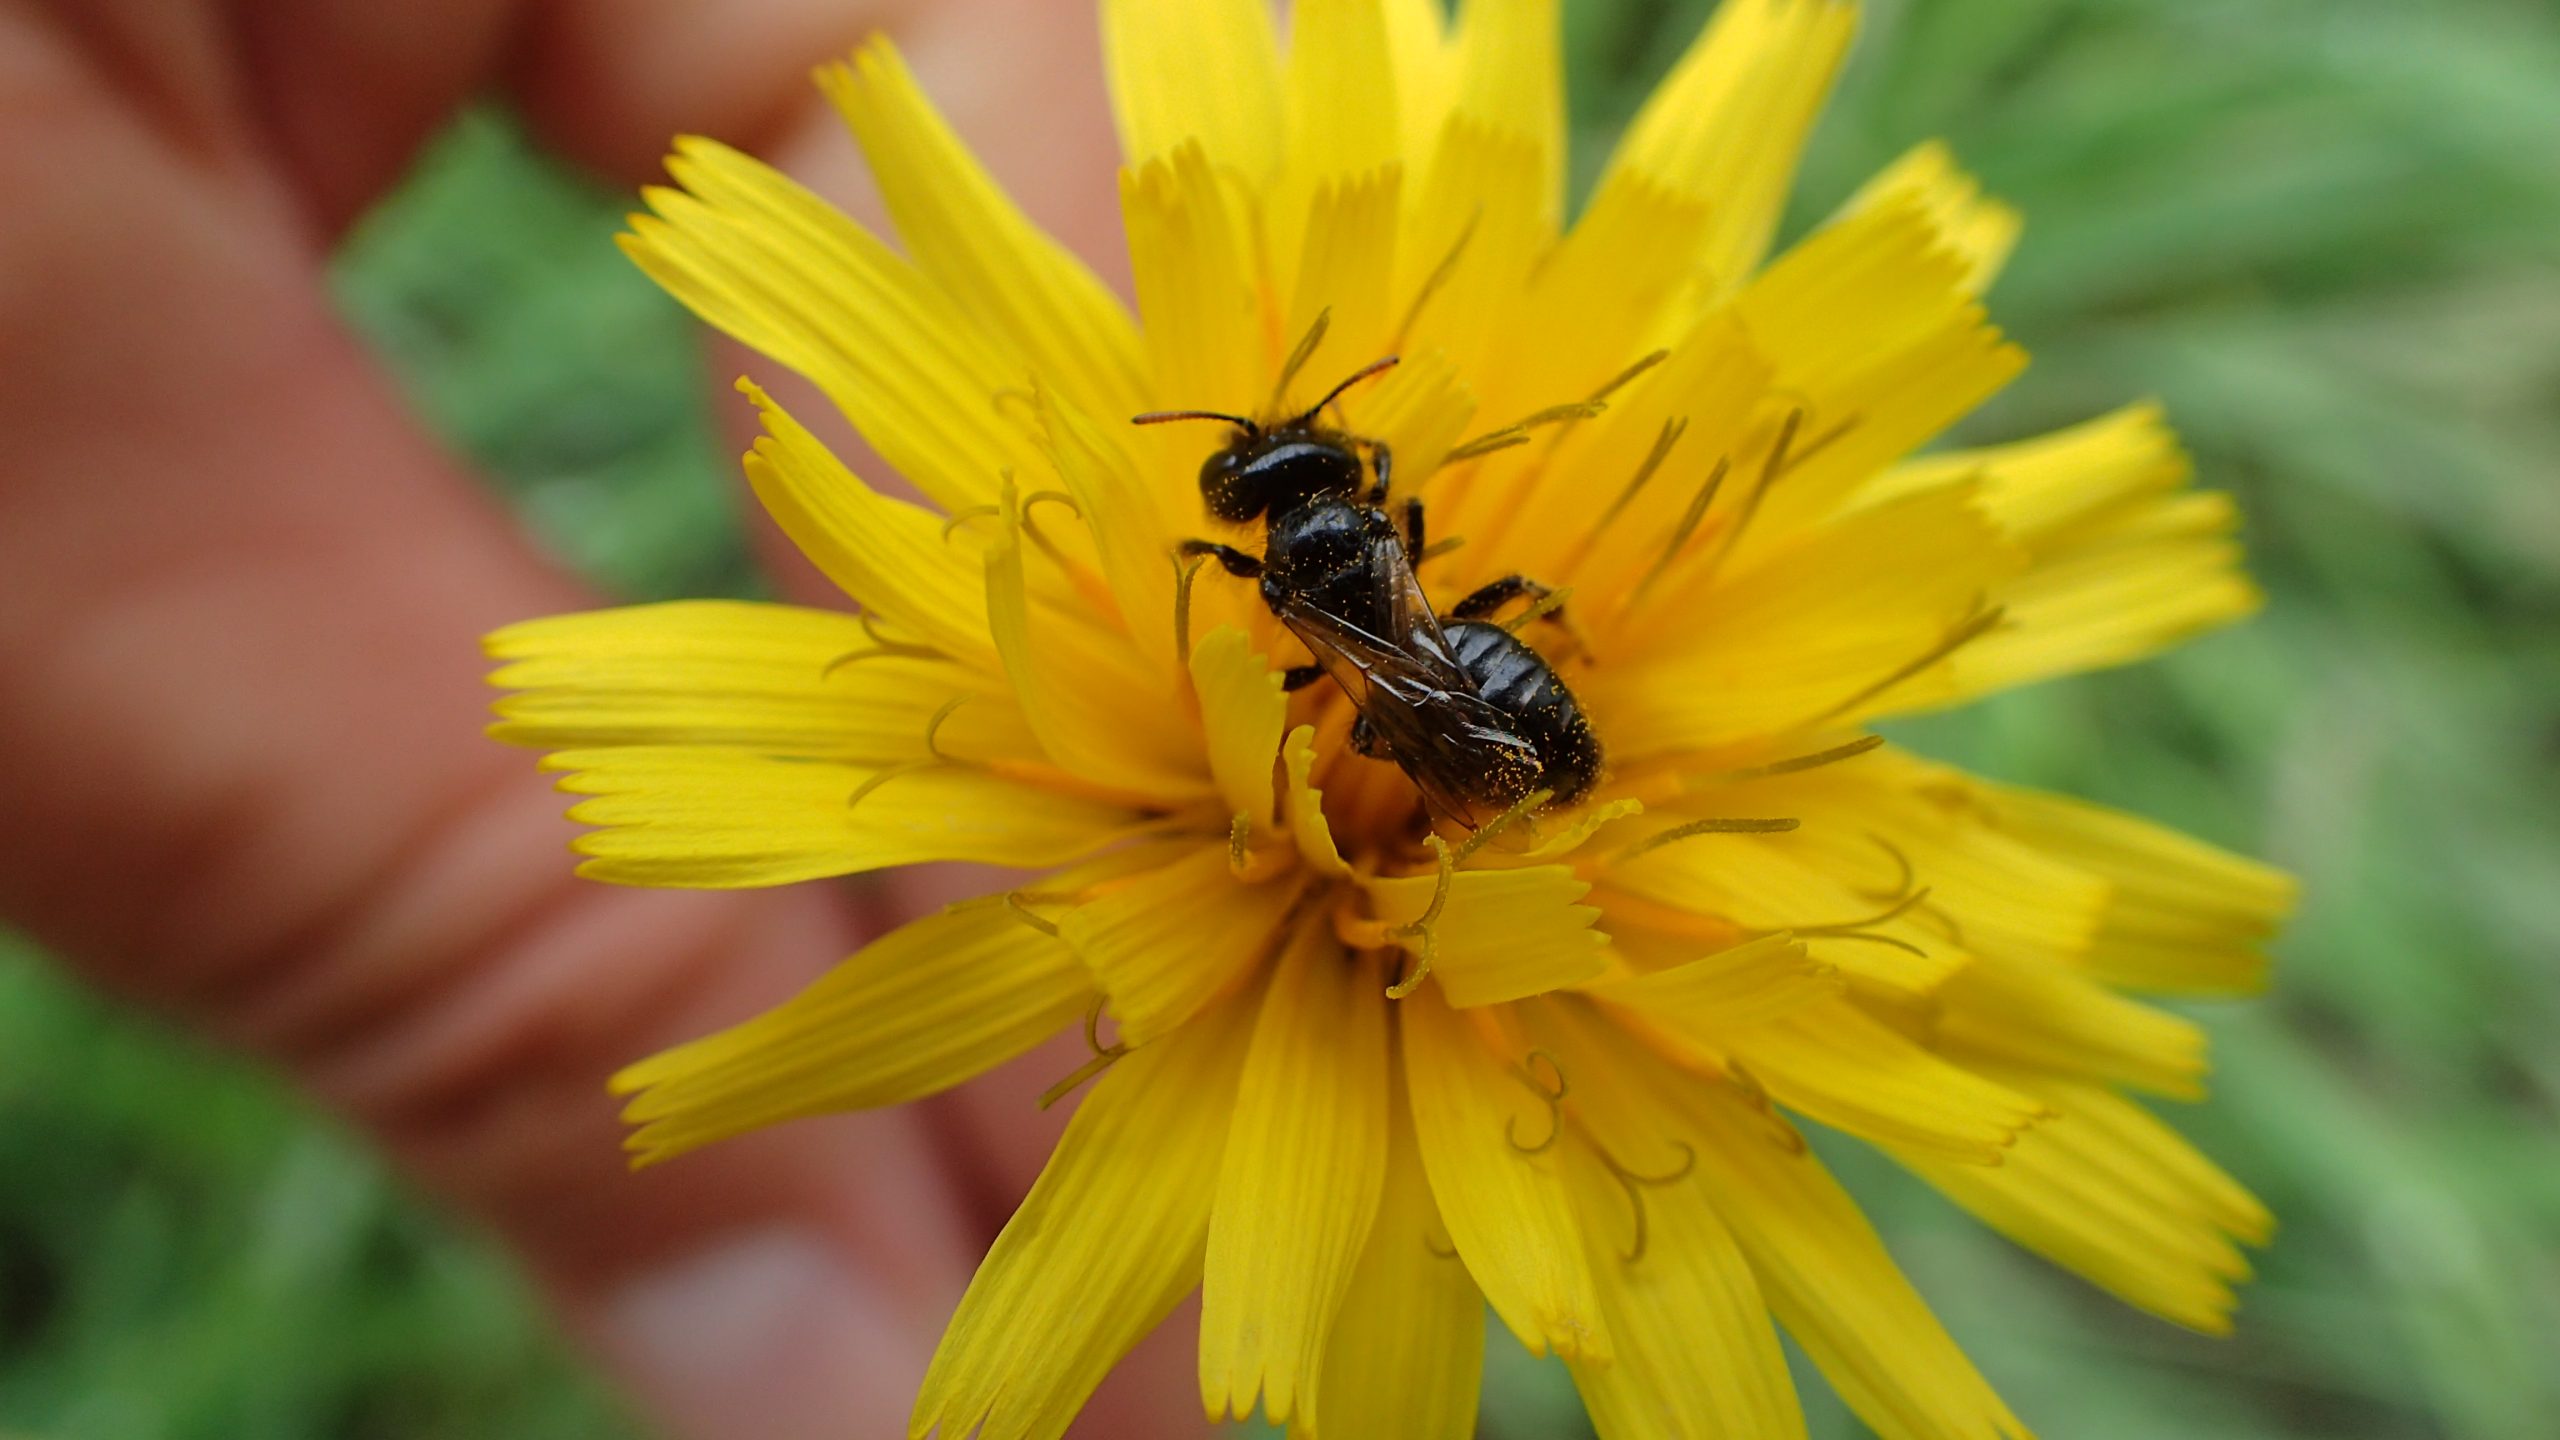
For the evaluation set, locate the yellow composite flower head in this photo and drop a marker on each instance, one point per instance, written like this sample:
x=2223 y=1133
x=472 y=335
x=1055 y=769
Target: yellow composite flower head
x=1354 y=1077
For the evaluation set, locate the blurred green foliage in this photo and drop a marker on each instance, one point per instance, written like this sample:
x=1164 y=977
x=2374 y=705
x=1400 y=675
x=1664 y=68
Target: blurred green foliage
x=2327 y=234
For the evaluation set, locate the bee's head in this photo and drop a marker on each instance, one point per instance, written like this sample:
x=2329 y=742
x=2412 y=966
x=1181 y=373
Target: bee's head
x=1271 y=468
x=1230 y=486
x=1271 y=472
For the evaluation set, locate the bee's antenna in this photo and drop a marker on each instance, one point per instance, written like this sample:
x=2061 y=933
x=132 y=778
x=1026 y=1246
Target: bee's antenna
x=1158 y=417
x=1354 y=378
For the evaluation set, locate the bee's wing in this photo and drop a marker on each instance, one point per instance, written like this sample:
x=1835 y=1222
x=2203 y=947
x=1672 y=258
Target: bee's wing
x=1443 y=735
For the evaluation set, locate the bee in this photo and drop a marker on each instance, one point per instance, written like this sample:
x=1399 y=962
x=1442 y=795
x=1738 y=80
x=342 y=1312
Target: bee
x=1478 y=719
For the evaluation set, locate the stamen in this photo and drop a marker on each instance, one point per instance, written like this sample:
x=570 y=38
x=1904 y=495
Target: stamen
x=1055 y=497
x=964 y=515
x=1438 y=277
x=1496 y=826
x=1955 y=931
x=1018 y=902
x=1784 y=459
x=1677 y=833
x=1182 y=577
x=1517 y=432
x=880 y=646
x=1298 y=357
x=1833 y=756
x=1545 y=605
x=1690 y=520
x=1902 y=882
x=1239 y=831
x=871 y=627
x=863 y=791
x=1771 y=471
x=1973 y=628
x=1672 y=430
x=1634 y=1182
x=933 y=728
x=1756 y=1096
x=1421 y=928
x=1553 y=1095
x=1859 y=929
x=1102 y=1058
x=1439 y=547
x=1628 y=375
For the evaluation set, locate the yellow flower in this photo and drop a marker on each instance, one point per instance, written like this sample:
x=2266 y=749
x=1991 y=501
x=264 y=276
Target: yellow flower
x=1580 y=1115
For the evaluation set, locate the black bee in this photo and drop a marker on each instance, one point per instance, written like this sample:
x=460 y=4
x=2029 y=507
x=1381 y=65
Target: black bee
x=1478 y=719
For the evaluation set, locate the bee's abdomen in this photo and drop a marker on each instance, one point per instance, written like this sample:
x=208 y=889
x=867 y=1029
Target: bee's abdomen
x=1519 y=682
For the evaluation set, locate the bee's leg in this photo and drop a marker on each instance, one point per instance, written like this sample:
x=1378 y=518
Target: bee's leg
x=1299 y=677
x=1413 y=532
x=1364 y=738
x=1381 y=470
x=1237 y=563
x=1494 y=594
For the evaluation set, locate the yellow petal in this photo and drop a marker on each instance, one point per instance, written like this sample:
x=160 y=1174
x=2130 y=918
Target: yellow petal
x=2039 y=489
x=1730 y=120
x=1510 y=79
x=1502 y=934
x=1099 y=711
x=1597 y=302
x=1305 y=805
x=1305 y=1160
x=1696 y=1354
x=1595 y=516
x=2145 y=1157
x=2151 y=577
x=1888 y=825
x=887 y=554
x=1836 y=1065
x=1107 y=1242
x=1166 y=943
x=1418 y=412
x=1475 y=232
x=707 y=818
x=1241 y=712
x=1739 y=985
x=1133 y=524
x=2057 y=1019
x=1426 y=71
x=1199 y=295
x=1407 y=1348
x=1016 y=282
x=2110 y=1210
x=1341 y=90
x=1830 y=1281
x=756 y=255
x=2183 y=916
x=769 y=678
x=1975 y=226
x=1808 y=633
x=1872 y=333
x=918 y=1010
x=1506 y=1206
x=1205 y=70
x=2124 y=559
x=1345 y=267
x=1761 y=884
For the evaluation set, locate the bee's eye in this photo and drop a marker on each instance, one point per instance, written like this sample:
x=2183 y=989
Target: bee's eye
x=1229 y=488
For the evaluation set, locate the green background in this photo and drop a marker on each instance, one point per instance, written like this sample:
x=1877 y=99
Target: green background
x=2327 y=234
